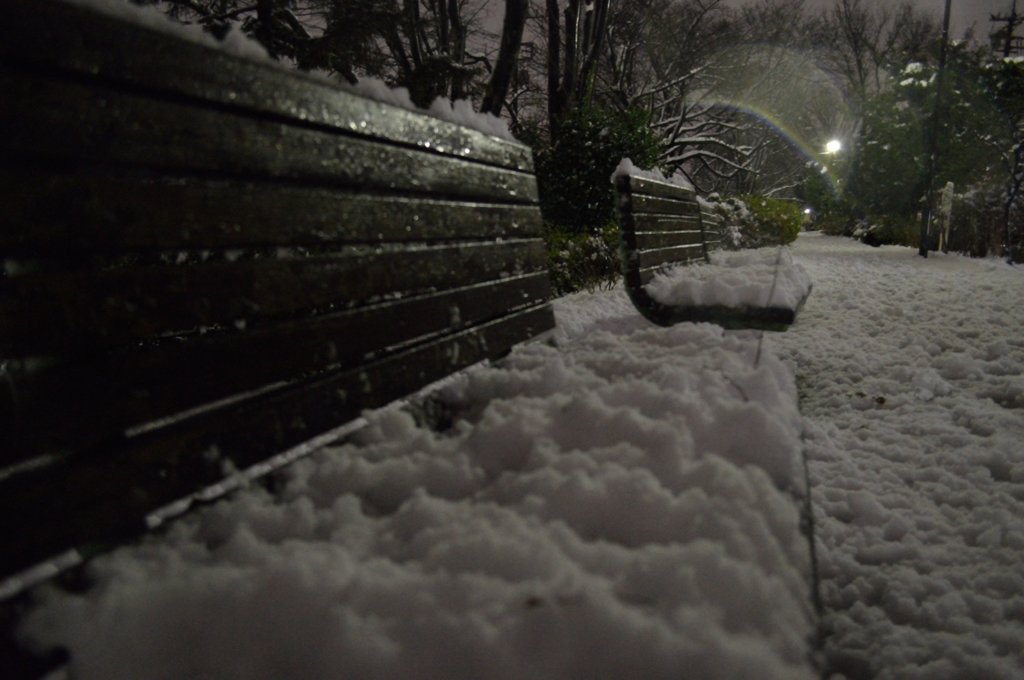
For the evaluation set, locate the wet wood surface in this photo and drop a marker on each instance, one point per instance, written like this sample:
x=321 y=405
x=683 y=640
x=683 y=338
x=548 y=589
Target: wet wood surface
x=208 y=260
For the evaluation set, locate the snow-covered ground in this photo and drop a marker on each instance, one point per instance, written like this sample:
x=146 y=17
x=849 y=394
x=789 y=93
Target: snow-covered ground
x=910 y=376
x=623 y=506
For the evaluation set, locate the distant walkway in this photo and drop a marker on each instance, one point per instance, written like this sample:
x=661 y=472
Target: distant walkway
x=910 y=375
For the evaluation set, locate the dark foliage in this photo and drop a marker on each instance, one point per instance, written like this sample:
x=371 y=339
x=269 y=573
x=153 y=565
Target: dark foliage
x=574 y=168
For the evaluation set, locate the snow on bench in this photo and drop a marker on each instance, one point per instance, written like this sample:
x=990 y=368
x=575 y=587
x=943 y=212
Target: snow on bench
x=765 y=277
x=664 y=226
x=210 y=261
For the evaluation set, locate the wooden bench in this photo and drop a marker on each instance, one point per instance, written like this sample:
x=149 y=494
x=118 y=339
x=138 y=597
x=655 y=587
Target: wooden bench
x=663 y=225
x=210 y=260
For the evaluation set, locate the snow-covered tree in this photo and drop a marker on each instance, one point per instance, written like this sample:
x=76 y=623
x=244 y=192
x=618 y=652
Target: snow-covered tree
x=1004 y=80
x=861 y=42
x=889 y=175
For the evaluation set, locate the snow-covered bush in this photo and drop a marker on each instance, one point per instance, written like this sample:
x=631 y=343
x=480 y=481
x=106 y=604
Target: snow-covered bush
x=889 y=230
x=581 y=262
x=756 y=221
x=977 y=227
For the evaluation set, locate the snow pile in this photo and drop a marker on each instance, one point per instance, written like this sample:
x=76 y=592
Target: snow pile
x=581 y=313
x=766 y=277
x=610 y=508
x=912 y=379
x=626 y=167
x=238 y=44
x=459 y=111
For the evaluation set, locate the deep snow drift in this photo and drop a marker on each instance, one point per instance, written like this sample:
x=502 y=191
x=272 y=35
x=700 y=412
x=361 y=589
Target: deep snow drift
x=619 y=507
x=910 y=374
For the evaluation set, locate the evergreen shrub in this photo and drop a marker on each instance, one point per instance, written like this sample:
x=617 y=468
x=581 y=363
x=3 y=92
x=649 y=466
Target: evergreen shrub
x=775 y=220
x=977 y=227
x=574 y=166
x=577 y=200
x=583 y=262
x=890 y=230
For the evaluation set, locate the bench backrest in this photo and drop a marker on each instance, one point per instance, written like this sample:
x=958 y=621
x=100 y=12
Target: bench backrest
x=662 y=224
x=209 y=260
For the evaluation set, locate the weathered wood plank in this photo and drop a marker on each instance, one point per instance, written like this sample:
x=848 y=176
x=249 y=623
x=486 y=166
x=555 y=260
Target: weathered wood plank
x=666 y=223
x=654 y=240
x=650 y=187
x=712 y=225
x=648 y=259
x=640 y=203
x=97 y=212
x=72 y=123
x=64 y=311
x=103 y=497
x=46 y=34
x=99 y=399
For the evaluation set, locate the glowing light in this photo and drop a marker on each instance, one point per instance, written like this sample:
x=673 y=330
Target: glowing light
x=833 y=146
x=807 y=211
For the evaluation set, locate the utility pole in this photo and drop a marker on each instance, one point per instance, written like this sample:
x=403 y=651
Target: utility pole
x=933 y=142
x=1012 y=21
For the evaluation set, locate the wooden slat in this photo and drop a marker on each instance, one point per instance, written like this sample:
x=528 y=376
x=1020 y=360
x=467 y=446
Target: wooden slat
x=645 y=222
x=55 y=213
x=654 y=240
x=654 y=258
x=640 y=203
x=95 y=400
x=53 y=35
x=51 y=313
x=72 y=123
x=712 y=229
x=642 y=185
x=104 y=497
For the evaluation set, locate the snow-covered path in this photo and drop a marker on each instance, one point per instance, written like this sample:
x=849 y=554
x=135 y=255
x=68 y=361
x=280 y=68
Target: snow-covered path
x=910 y=375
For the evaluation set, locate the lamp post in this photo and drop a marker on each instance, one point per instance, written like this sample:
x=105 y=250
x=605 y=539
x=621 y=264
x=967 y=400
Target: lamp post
x=933 y=141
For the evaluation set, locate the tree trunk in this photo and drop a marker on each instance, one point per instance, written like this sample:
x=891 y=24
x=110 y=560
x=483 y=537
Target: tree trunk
x=1012 y=191
x=264 y=32
x=508 y=56
x=595 y=26
x=584 y=38
x=458 y=51
x=555 y=105
x=572 y=34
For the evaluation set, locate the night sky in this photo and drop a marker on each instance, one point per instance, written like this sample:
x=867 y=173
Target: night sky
x=964 y=13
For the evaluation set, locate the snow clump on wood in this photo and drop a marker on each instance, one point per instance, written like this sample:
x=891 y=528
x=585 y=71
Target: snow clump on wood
x=766 y=277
